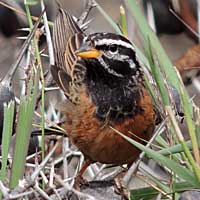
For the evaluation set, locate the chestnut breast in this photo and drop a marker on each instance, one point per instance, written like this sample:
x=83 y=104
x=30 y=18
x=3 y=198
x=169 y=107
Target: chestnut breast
x=98 y=142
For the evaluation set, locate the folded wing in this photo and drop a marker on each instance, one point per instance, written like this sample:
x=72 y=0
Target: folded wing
x=69 y=70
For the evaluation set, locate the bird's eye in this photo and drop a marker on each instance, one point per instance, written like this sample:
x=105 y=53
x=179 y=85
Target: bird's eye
x=113 y=48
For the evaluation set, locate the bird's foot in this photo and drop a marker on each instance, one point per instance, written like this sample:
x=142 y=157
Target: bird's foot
x=119 y=187
x=79 y=181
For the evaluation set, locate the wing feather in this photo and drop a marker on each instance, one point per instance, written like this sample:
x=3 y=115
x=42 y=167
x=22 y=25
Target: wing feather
x=64 y=28
x=68 y=71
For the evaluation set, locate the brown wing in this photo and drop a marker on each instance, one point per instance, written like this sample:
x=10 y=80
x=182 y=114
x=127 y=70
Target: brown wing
x=68 y=71
x=64 y=28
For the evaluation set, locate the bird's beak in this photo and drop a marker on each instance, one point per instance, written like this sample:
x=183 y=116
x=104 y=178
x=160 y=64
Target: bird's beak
x=86 y=51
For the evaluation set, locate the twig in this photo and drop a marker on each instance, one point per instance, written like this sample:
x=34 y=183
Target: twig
x=27 y=183
x=17 y=10
x=110 y=176
x=18 y=196
x=41 y=192
x=185 y=24
x=69 y=188
x=51 y=174
x=135 y=165
x=99 y=172
x=56 y=195
x=65 y=147
x=3 y=189
x=43 y=163
x=8 y=77
x=91 y=4
x=48 y=35
x=20 y=12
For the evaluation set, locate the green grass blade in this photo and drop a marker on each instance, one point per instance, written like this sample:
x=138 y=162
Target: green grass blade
x=147 y=34
x=149 y=192
x=190 y=124
x=6 y=137
x=38 y=58
x=31 y=2
x=143 y=193
x=17 y=167
x=156 y=73
x=123 y=21
x=174 y=149
x=109 y=19
x=181 y=171
x=23 y=131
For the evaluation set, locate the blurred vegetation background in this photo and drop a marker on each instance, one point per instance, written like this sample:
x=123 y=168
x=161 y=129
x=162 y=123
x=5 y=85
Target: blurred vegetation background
x=180 y=43
x=171 y=31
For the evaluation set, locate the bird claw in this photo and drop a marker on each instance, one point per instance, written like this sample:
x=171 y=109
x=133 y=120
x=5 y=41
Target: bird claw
x=79 y=181
x=118 y=186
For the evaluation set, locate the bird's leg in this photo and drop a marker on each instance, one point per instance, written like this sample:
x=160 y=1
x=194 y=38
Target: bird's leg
x=84 y=167
x=79 y=178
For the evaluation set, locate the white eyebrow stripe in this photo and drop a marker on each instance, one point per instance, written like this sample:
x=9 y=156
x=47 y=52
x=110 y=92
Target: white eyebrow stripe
x=111 y=41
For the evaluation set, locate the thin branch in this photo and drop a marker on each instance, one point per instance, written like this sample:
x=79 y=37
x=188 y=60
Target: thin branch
x=17 y=10
x=8 y=78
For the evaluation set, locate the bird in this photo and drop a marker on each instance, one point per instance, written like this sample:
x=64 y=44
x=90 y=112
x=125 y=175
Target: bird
x=104 y=86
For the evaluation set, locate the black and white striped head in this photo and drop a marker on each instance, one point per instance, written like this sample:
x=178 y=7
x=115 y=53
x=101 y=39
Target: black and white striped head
x=113 y=52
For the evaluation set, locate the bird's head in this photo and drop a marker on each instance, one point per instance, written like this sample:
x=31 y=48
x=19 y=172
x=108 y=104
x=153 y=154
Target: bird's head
x=113 y=52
